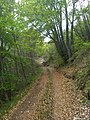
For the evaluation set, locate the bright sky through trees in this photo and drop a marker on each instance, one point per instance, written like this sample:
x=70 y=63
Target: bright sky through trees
x=17 y=1
x=82 y=3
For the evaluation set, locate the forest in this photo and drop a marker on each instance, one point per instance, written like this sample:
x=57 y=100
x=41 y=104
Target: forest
x=57 y=31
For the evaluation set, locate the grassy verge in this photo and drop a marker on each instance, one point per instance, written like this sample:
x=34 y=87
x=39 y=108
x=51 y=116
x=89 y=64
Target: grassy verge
x=45 y=109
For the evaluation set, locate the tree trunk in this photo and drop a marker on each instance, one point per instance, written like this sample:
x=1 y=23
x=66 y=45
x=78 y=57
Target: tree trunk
x=67 y=31
x=72 y=27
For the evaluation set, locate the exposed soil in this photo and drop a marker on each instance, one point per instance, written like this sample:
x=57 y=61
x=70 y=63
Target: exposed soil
x=52 y=97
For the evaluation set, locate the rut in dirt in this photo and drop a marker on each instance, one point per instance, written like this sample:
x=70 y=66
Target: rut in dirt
x=52 y=97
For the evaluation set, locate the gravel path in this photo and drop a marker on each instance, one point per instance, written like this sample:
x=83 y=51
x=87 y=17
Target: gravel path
x=67 y=99
x=63 y=98
x=52 y=97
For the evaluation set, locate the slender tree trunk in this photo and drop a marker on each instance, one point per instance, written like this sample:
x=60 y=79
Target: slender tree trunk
x=72 y=27
x=2 y=70
x=67 y=31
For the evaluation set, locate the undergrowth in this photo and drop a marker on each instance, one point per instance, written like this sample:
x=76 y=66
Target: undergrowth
x=14 y=100
x=81 y=73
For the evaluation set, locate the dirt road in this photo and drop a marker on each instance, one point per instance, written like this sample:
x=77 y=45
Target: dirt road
x=52 y=97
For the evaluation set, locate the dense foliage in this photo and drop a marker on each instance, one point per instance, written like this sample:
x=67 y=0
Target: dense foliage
x=23 y=27
x=19 y=45
x=82 y=28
